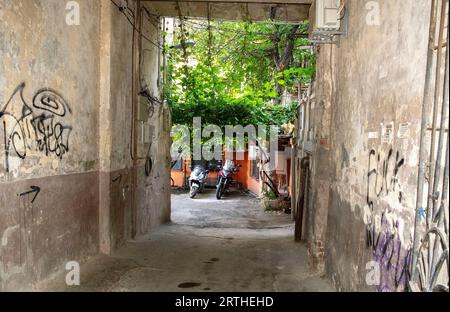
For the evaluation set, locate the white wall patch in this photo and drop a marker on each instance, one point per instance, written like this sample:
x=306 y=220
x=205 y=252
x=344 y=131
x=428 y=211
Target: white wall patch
x=373 y=135
x=387 y=133
x=403 y=130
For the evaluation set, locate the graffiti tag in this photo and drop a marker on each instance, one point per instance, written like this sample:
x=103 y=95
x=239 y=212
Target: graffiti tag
x=383 y=237
x=39 y=126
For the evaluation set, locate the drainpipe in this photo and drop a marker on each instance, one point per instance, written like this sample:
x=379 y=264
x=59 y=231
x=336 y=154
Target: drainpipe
x=135 y=80
x=431 y=200
x=444 y=202
x=293 y=177
x=423 y=134
x=303 y=186
x=442 y=130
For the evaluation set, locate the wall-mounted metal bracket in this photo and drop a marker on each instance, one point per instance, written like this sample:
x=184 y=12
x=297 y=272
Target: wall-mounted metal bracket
x=325 y=36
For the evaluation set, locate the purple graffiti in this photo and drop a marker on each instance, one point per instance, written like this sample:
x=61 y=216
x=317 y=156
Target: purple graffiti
x=393 y=258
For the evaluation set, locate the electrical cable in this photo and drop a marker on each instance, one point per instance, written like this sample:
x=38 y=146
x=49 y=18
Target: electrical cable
x=121 y=9
x=130 y=16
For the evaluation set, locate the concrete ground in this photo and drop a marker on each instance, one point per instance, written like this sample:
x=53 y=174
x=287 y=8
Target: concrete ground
x=227 y=245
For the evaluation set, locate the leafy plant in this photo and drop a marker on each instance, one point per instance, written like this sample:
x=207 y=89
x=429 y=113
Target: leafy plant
x=236 y=72
x=269 y=194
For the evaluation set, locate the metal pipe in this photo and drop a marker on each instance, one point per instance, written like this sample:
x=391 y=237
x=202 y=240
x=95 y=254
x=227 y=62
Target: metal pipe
x=432 y=196
x=423 y=133
x=293 y=178
x=304 y=167
x=444 y=112
x=444 y=202
x=437 y=89
x=445 y=186
x=135 y=80
x=437 y=170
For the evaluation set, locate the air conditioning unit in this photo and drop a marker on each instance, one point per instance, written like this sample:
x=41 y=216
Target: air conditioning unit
x=324 y=19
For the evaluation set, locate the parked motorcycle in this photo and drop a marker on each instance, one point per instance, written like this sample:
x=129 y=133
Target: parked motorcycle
x=197 y=180
x=225 y=177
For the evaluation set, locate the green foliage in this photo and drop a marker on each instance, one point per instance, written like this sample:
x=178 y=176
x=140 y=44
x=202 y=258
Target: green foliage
x=229 y=76
x=269 y=194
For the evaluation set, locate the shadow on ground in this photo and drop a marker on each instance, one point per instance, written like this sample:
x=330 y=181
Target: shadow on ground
x=211 y=245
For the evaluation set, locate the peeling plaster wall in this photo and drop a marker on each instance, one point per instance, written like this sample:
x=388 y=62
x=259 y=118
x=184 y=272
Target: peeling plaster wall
x=65 y=132
x=34 y=49
x=135 y=183
x=368 y=97
x=153 y=191
x=153 y=164
x=115 y=128
x=49 y=116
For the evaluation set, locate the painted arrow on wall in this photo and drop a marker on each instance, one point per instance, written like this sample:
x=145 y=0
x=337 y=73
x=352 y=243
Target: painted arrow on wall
x=34 y=189
x=118 y=178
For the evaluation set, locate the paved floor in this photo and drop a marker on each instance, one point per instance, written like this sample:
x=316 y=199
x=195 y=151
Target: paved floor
x=227 y=245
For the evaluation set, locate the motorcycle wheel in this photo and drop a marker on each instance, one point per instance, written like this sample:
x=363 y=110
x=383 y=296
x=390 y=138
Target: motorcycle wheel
x=193 y=191
x=219 y=191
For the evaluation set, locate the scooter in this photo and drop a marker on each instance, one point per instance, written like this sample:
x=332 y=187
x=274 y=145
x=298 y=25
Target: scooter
x=197 y=180
x=226 y=177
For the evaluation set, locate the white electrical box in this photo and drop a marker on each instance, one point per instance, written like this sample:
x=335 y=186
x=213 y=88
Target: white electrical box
x=324 y=17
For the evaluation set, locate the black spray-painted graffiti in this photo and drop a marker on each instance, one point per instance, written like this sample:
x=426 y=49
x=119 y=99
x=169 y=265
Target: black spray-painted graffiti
x=34 y=189
x=383 y=237
x=40 y=126
x=384 y=173
x=118 y=178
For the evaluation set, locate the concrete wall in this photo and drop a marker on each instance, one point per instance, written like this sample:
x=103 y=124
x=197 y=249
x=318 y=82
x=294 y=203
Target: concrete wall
x=51 y=144
x=152 y=163
x=366 y=113
x=245 y=177
x=68 y=182
x=115 y=128
x=290 y=11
